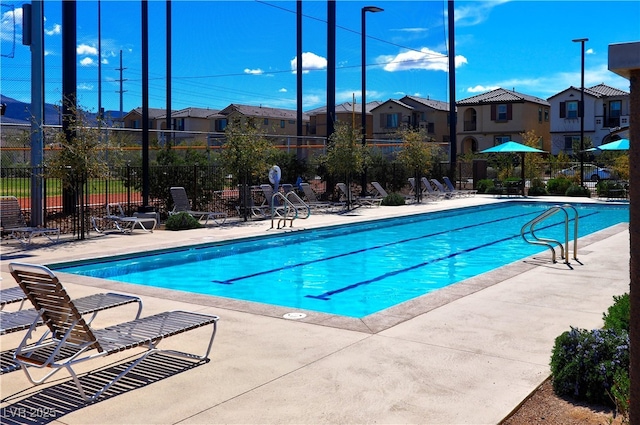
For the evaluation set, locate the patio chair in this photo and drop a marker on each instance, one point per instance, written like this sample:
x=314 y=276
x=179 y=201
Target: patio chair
x=181 y=204
x=124 y=223
x=72 y=340
x=366 y=201
x=453 y=189
x=15 y=226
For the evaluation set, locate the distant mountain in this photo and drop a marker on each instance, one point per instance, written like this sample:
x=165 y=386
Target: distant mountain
x=18 y=112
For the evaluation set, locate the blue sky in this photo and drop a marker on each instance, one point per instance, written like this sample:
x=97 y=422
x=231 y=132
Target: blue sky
x=244 y=51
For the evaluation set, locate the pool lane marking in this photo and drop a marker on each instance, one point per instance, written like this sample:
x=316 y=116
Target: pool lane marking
x=332 y=257
x=326 y=296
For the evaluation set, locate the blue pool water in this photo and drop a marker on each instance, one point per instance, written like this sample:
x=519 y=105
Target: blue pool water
x=354 y=270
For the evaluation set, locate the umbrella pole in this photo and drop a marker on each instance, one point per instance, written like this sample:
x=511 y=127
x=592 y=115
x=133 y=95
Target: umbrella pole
x=522 y=174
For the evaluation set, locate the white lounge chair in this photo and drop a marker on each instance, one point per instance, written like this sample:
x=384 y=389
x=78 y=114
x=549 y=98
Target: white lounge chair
x=72 y=340
x=181 y=204
x=122 y=222
x=348 y=197
x=313 y=202
x=460 y=192
x=15 y=226
x=439 y=188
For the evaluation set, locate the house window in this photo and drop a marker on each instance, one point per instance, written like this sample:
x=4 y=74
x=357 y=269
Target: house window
x=498 y=140
x=539 y=114
x=615 y=109
x=178 y=124
x=281 y=123
x=292 y=122
x=431 y=128
x=221 y=124
x=572 y=109
x=502 y=113
x=393 y=120
x=546 y=115
x=570 y=141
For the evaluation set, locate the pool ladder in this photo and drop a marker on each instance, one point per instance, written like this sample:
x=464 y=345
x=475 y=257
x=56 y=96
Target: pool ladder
x=528 y=232
x=288 y=207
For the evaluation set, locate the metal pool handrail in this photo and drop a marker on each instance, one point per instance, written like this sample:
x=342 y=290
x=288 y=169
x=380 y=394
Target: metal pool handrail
x=529 y=228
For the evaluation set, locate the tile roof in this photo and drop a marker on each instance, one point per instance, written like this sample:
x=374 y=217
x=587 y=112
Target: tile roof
x=346 y=107
x=399 y=102
x=262 y=111
x=193 y=113
x=500 y=95
x=435 y=104
x=154 y=113
x=606 y=90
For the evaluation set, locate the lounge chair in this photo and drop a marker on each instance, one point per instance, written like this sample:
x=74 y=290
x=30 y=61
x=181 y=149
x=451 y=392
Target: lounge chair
x=453 y=189
x=122 y=222
x=72 y=340
x=15 y=226
x=348 y=197
x=313 y=202
x=441 y=189
x=427 y=190
x=181 y=204
x=380 y=192
x=13 y=321
x=11 y=296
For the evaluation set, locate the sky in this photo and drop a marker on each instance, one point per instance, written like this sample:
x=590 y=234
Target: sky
x=244 y=52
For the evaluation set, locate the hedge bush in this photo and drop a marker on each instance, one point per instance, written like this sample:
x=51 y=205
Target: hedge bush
x=618 y=316
x=558 y=186
x=182 y=221
x=576 y=190
x=537 y=188
x=584 y=363
x=393 y=199
x=484 y=185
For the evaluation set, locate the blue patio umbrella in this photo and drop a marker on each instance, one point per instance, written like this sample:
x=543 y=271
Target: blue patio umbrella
x=514 y=147
x=618 y=145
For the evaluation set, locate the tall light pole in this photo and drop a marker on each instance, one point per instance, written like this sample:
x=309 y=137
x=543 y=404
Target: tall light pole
x=581 y=108
x=372 y=9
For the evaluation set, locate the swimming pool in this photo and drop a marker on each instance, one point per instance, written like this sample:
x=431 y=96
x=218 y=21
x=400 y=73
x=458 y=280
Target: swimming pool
x=353 y=270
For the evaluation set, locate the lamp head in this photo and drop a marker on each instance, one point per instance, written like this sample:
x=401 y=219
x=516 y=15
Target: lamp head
x=580 y=40
x=372 y=9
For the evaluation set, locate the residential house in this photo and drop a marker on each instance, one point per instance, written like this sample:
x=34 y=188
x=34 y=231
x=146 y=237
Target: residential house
x=348 y=112
x=133 y=119
x=431 y=116
x=270 y=120
x=189 y=125
x=500 y=115
x=606 y=111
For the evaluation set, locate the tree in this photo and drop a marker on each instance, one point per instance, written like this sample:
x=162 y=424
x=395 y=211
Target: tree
x=345 y=154
x=245 y=155
x=81 y=157
x=416 y=155
x=533 y=162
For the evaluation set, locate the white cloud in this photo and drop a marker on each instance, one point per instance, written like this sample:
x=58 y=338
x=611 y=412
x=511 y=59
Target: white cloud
x=590 y=52
x=105 y=61
x=55 y=30
x=85 y=86
x=412 y=30
x=481 y=89
x=10 y=21
x=475 y=12
x=257 y=71
x=283 y=90
x=423 y=59
x=87 y=62
x=85 y=49
x=310 y=61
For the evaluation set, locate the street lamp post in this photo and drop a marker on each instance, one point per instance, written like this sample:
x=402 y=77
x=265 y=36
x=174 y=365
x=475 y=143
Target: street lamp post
x=372 y=9
x=581 y=108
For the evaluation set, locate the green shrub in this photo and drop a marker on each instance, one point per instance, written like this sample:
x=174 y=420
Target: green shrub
x=558 y=186
x=484 y=185
x=537 y=188
x=393 y=199
x=604 y=186
x=618 y=316
x=584 y=363
x=621 y=394
x=576 y=190
x=182 y=221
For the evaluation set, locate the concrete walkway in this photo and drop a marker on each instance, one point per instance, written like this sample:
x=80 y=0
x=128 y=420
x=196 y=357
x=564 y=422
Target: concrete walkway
x=466 y=354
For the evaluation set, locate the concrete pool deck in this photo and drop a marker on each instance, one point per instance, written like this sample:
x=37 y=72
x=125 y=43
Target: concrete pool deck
x=466 y=354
